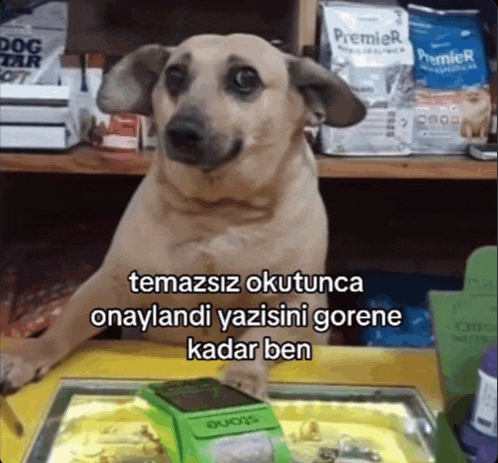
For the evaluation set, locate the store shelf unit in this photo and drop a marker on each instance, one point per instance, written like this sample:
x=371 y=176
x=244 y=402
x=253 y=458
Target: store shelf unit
x=87 y=160
x=385 y=213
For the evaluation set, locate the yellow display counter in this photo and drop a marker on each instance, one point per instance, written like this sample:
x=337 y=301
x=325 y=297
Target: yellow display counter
x=144 y=361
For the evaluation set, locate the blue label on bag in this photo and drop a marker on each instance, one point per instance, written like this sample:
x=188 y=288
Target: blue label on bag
x=449 y=49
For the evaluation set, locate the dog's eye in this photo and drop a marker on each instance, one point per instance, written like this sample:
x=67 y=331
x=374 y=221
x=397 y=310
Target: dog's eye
x=245 y=79
x=176 y=79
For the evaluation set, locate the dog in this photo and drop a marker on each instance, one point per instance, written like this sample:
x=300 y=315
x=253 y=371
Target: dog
x=476 y=115
x=232 y=189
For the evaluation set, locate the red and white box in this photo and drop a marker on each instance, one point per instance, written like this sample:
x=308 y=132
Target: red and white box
x=122 y=132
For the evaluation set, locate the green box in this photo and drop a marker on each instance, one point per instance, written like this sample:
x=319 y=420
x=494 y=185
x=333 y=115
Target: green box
x=464 y=321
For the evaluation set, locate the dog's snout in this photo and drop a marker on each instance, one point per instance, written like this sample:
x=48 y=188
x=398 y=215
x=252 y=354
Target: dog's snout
x=190 y=139
x=185 y=133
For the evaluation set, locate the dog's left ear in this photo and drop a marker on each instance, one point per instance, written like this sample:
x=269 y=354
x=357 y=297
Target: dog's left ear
x=328 y=98
x=127 y=87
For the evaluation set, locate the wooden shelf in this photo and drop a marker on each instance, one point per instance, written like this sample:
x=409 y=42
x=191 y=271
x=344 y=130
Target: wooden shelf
x=79 y=160
x=456 y=167
x=87 y=160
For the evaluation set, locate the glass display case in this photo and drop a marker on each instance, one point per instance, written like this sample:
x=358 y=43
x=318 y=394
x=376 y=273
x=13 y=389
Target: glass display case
x=103 y=421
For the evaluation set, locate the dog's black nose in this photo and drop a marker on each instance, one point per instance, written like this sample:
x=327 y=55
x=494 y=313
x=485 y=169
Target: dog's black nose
x=184 y=137
x=187 y=137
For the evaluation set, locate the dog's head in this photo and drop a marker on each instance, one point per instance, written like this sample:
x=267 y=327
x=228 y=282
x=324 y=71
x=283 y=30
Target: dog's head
x=215 y=99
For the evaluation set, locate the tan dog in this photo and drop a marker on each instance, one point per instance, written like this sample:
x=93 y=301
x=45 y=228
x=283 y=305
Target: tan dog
x=232 y=189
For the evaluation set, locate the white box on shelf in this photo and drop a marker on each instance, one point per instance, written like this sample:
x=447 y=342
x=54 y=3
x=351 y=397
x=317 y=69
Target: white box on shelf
x=149 y=141
x=32 y=137
x=40 y=116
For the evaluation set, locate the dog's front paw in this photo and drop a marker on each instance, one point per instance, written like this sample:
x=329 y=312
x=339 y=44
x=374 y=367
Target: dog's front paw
x=16 y=370
x=248 y=376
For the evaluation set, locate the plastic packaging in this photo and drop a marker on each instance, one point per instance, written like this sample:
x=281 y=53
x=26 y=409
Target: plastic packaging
x=31 y=44
x=478 y=433
x=452 y=79
x=369 y=47
x=484 y=413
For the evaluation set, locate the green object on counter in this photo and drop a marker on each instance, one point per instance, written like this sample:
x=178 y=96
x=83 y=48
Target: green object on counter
x=206 y=421
x=447 y=447
x=465 y=321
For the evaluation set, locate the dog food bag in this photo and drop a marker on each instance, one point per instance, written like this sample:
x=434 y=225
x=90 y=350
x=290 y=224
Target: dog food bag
x=451 y=73
x=369 y=47
x=32 y=44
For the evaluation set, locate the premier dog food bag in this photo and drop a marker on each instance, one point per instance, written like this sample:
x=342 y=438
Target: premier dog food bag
x=31 y=45
x=369 y=47
x=451 y=73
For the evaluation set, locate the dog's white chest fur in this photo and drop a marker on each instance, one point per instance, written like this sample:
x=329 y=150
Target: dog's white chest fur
x=209 y=246
x=221 y=253
x=224 y=243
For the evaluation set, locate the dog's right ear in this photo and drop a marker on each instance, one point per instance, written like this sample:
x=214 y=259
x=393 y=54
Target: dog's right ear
x=127 y=87
x=328 y=97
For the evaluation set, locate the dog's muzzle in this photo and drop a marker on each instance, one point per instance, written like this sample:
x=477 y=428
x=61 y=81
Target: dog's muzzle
x=189 y=141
